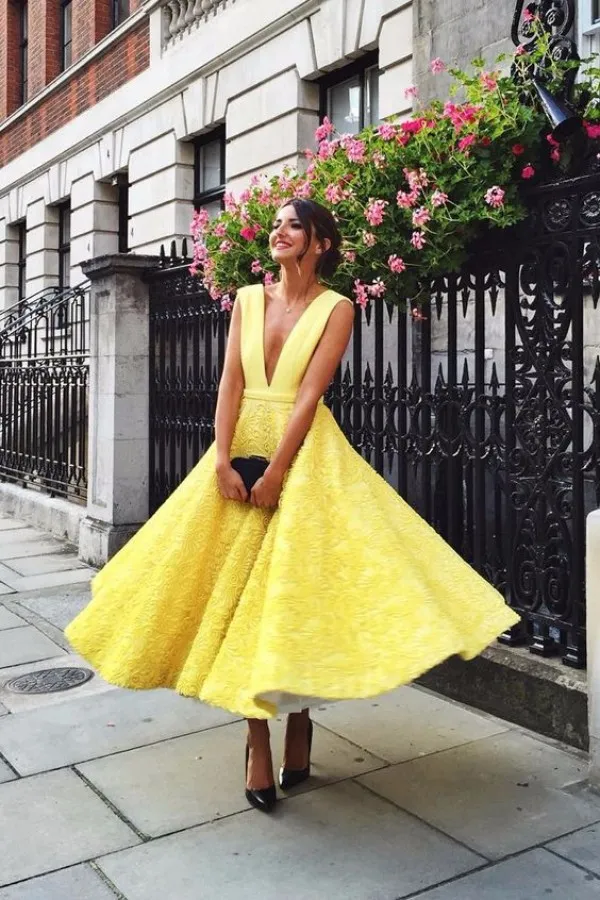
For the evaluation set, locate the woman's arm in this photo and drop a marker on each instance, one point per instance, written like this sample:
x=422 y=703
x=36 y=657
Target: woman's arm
x=229 y=398
x=317 y=378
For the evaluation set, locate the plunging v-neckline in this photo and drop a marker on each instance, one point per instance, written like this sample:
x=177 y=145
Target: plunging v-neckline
x=290 y=333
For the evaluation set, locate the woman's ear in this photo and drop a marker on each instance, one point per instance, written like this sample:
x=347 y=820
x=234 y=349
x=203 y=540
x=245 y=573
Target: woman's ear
x=324 y=246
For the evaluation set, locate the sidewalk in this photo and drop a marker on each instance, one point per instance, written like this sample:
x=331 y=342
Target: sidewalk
x=107 y=793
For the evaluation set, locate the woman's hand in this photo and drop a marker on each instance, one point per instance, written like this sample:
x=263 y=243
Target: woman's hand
x=267 y=490
x=230 y=482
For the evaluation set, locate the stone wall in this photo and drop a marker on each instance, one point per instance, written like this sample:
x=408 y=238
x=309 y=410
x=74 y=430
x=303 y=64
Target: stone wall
x=457 y=31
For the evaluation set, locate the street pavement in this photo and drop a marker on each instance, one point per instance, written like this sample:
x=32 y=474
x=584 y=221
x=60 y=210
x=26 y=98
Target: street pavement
x=108 y=793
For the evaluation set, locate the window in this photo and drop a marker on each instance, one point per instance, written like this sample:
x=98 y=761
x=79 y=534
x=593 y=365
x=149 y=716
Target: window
x=123 y=200
x=22 y=261
x=595 y=11
x=350 y=97
x=209 y=172
x=64 y=246
x=120 y=11
x=66 y=33
x=23 y=54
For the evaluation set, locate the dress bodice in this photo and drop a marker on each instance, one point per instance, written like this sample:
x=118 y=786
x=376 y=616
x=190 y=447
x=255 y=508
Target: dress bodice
x=296 y=352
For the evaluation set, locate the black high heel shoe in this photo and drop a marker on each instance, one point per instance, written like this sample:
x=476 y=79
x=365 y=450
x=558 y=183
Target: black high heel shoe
x=291 y=778
x=264 y=799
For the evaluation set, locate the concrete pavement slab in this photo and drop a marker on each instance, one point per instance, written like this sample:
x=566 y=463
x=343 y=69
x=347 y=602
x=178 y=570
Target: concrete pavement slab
x=338 y=842
x=536 y=875
x=406 y=723
x=21 y=702
x=55 y=736
x=52 y=579
x=6 y=589
x=32 y=546
x=78 y=883
x=24 y=645
x=6 y=773
x=3 y=710
x=498 y=795
x=44 y=564
x=57 y=605
x=23 y=536
x=194 y=779
x=582 y=848
x=52 y=821
x=9 y=620
x=8 y=524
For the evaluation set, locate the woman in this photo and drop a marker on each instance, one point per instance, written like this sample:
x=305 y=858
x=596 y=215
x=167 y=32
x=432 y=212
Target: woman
x=318 y=583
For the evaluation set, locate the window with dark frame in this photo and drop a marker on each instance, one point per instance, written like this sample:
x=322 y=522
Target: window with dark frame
x=350 y=96
x=66 y=33
x=123 y=201
x=64 y=246
x=22 y=262
x=120 y=11
x=595 y=11
x=209 y=172
x=23 y=49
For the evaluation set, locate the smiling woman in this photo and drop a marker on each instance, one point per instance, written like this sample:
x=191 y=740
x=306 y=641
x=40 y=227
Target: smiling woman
x=315 y=581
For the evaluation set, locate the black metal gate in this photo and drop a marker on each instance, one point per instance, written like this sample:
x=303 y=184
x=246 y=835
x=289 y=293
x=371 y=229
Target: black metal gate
x=483 y=414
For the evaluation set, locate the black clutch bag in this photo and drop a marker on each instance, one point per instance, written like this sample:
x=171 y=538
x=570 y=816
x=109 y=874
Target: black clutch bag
x=250 y=468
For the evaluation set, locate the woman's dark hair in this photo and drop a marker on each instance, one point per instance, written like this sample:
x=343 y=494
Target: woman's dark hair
x=316 y=219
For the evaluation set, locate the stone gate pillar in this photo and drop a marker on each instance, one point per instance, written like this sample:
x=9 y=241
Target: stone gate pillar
x=593 y=641
x=118 y=405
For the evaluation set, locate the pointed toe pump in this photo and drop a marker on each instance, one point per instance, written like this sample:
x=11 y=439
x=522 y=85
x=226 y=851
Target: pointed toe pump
x=264 y=799
x=291 y=778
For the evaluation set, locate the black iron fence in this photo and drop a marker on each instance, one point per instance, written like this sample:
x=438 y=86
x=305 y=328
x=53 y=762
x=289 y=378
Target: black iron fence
x=484 y=413
x=44 y=366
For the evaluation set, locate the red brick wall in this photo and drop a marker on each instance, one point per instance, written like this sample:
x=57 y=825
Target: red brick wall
x=10 y=62
x=44 y=43
x=92 y=20
x=121 y=62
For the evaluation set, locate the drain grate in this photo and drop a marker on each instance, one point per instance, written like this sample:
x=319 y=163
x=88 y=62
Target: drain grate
x=49 y=681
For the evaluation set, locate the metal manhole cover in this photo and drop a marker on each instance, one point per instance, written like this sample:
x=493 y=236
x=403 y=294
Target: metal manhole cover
x=48 y=681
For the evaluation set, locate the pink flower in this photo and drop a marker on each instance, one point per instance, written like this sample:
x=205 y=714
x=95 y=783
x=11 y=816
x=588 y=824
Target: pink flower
x=226 y=303
x=356 y=151
x=488 y=81
x=249 y=232
x=518 y=149
x=360 y=292
x=494 y=197
x=255 y=180
x=230 y=203
x=439 y=198
x=369 y=239
x=378 y=160
x=377 y=289
x=200 y=222
x=407 y=200
x=411 y=92
x=387 y=132
x=466 y=142
x=396 y=264
x=413 y=126
x=349 y=255
x=375 y=212
x=256 y=268
x=265 y=197
x=304 y=190
x=269 y=278
x=220 y=230
x=215 y=293
x=225 y=247
x=552 y=140
x=285 y=184
x=593 y=129
x=327 y=149
x=528 y=16
x=334 y=193
x=418 y=240
x=528 y=172
x=421 y=216
x=555 y=154
x=520 y=50
x=325 y=130
x=437 y=65
x=416 y=178
x=461 y=115
x=245 y=196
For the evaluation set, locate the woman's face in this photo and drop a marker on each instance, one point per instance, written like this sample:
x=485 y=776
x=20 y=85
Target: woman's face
x=288 y=240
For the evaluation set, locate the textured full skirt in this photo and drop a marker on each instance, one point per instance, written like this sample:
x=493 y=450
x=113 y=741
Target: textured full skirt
x=342 y=592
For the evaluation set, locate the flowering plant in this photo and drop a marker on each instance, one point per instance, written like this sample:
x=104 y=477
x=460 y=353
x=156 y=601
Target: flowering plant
x=409 y=196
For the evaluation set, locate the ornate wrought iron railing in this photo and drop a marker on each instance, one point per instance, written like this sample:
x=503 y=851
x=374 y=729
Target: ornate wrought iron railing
x=484 y=413
x=44 y=364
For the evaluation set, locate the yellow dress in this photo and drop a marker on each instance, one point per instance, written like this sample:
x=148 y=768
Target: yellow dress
x=342 y=592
